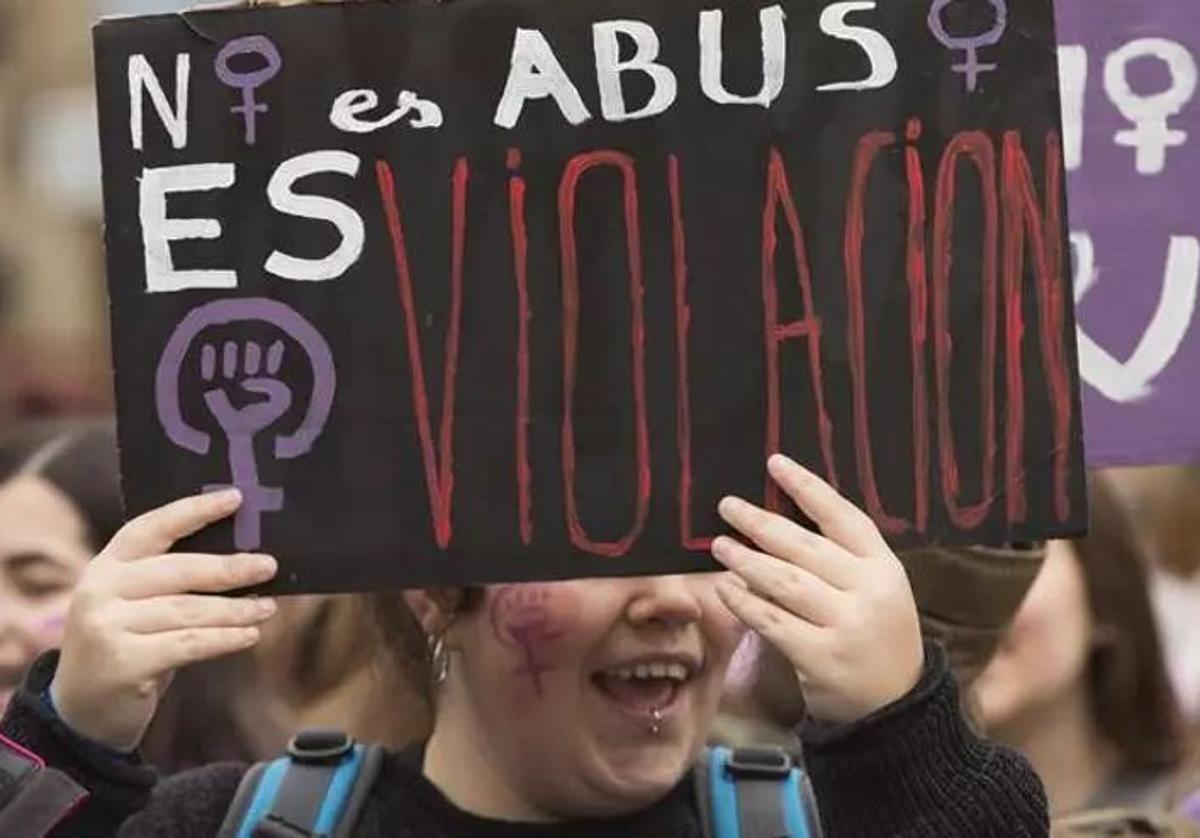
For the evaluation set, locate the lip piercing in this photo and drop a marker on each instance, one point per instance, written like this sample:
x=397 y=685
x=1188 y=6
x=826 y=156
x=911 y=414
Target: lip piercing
x=656 y=724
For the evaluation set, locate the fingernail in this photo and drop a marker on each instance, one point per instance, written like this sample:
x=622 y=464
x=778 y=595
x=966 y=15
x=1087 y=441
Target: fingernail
x=782 y=462
x=267 y=606
x=230 y=498
x=720 y=548
x=264 y=563
x=730 y=506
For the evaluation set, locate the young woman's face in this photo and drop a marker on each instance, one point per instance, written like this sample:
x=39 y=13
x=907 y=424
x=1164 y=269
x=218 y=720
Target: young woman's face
x=43 y=552
x=594 y=696
x=1044 y=656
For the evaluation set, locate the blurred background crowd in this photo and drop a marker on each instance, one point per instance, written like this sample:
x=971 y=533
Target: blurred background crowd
x=1097 y=678
x=52 y=303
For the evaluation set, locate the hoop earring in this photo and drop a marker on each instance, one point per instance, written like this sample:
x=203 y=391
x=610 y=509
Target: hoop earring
x=439 y=658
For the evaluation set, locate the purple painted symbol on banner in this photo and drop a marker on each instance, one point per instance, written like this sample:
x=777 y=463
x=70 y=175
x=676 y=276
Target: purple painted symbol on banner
x=971 y=67
x=248 y=82
x=240 y=367
x=1131 y=81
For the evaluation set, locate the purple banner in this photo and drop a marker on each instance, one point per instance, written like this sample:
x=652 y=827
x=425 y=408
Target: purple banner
x=1132 y=141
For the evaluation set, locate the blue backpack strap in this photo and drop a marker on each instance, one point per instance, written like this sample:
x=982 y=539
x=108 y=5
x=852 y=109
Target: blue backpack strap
x=755 y=793
x=316 y=791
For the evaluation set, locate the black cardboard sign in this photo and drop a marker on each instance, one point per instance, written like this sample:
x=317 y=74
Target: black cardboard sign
x=514 y=290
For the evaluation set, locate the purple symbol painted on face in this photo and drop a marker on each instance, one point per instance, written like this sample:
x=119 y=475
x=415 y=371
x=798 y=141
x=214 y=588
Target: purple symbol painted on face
x=248 y=82
x=744 y=664
x=240 y=367
x=522 y=620
x=971 y=67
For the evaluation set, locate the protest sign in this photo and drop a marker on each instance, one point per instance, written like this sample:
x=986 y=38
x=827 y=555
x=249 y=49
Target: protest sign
x=1132 y=118
x=489 y=291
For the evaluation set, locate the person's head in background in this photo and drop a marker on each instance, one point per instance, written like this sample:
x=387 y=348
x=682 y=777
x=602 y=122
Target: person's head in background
x=322 y=659
x=1079 y=683
x=59 y=503
x=587 y=698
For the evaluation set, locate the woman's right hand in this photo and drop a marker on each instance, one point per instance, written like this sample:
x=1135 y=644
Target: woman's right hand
x=139 y=613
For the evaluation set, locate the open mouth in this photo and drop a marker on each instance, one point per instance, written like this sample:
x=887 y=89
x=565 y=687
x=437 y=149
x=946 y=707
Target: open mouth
x=646 y=687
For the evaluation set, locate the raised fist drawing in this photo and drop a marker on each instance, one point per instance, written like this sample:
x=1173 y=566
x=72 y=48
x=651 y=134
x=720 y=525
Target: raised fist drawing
x=244 y=389
x=522 y=620
x=257 y=414
x=241 y=369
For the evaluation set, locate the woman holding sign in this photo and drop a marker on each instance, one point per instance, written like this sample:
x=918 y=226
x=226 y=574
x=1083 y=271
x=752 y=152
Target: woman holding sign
x=572 y=708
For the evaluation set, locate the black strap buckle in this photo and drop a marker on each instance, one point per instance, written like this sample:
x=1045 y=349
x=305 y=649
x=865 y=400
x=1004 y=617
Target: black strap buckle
x=767 y=763
x=276 y=827
x=320 y=745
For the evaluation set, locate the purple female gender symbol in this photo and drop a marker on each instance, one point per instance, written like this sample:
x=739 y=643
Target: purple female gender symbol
x=971 y=67
x=243 y=369
x=259 y=45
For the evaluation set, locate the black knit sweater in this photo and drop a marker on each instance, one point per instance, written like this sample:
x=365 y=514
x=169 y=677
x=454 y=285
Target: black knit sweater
x=912 y=769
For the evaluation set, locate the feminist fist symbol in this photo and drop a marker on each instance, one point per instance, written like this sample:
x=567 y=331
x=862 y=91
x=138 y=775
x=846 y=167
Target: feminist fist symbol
x=241 y=425
x=242 y=369
x=521 y=619
x=971 y=67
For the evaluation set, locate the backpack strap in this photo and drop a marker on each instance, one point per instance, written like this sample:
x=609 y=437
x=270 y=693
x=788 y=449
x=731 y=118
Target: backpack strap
x=754 y=793
x=316 y=791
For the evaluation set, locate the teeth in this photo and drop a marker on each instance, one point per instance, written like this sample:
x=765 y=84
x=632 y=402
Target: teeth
x=673 y=671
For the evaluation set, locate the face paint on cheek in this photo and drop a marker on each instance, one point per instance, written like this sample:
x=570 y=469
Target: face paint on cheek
x=49 y=630
x=742 y=665
x=524 y=619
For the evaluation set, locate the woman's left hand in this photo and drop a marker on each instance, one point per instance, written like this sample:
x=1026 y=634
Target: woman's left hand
x=838 y=605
